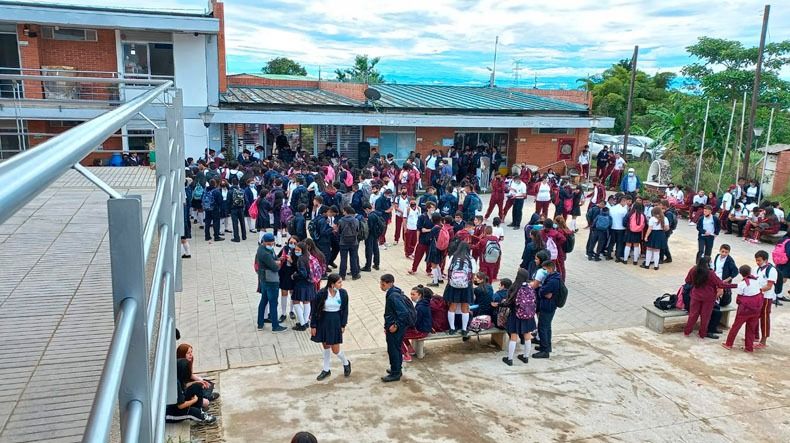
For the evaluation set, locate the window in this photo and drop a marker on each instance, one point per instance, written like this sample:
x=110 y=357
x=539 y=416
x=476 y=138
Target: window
x=11 y=142
x=148 y=59
x=474 y=139
x=77 y=34
x=398 y=142
x=566 y=131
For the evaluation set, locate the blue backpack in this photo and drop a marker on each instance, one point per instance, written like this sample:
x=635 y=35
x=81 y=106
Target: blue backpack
x=208 y=200
x=603 y=222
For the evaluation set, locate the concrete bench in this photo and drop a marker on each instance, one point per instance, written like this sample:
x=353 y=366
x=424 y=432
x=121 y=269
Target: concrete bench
x=498 y=338
x=773 y=238
x=655 y=317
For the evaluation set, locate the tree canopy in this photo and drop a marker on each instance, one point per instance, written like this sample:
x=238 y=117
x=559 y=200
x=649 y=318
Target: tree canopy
x=362 y=71
x=283 y=66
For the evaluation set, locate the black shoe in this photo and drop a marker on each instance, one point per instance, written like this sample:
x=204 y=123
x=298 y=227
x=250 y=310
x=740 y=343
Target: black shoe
x=282 y=318
x=656 y=268
x=365 y=269
x=347 y=369
x=465 y=338
x=465 y=333
x=376 y=267
x=523 y=359
x=535 y=341
x=636 y=263
x=245 y=239
x=538 y=348
x=323 y=375
x=589 y=257
x=297 y=328
x=279 y=329
x=597 y=259
x=186 y=256
x=356 y=277
x=540 y=354
x=267 y=321
x=332 y=265
x=260 y=327
x=451 y=332
x=219 y=239
x=306 y=326
x=608 y=258
x=507 y=361
x=293 y=316
x=390 y=378
x=645 y=267
x=617 y=260
x=669 y=260
x=235 y=240
x=712 y=336
x=214 y=396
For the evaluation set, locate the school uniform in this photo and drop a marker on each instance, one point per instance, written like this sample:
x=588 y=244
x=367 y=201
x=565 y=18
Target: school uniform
x=286 y=270
x=497 y=198
x=702 y=301
x=424 y=241
x=599 y=235
x=460 y=295
x=671 y=217
x=434 y=254
x=705 y=227
x=658 y=236
x=422 y=326
x=401 y=206
x=330 y=316
x=304 y=289
x=750 y=303
x=483 y=295
x=521 y=326
x=412 y=216
x=635 y=224
x=764 y=275
x=546 y=307
x=616 y=242
x=490 y=269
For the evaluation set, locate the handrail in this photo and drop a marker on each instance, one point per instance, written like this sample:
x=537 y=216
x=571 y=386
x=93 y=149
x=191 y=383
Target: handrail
x=153 y=213
x=65 y=78
x=112 y=371
x=26 y=174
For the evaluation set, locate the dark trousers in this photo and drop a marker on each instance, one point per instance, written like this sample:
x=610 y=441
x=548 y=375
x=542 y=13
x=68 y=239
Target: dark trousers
x=739 y=224
x=237 y=216
x=616 y=243
x=699 y=309
x=544 y=330
x=372 y=251
x=269 y=295
x=212 y=220
x=715 y=319
x=345 y=252
x=394 y=342
x=704 y=246
x=326 y=249
x=665 y=254
x=334 y=250
x=597 y=243
x=518 y=210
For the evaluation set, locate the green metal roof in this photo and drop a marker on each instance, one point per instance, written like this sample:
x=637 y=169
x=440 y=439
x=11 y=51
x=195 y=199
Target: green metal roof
x=467 y=98
x=277 y=76
x=285 y=97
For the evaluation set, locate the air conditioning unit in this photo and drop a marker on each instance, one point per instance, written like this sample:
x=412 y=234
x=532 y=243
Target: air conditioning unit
x=59 y=89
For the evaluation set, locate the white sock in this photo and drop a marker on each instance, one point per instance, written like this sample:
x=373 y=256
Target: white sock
x=451 y=319
x=183 y=249
x=299 y=313
x=283 y=304
x=188 y=248
x=627 y=253
x=342 y=356
x=648 y=257
x=527 y=347
x=573 y=224
x=656 y=257
x=327 y=356
x=306 y=308
x=464 y=320
x=200 y=218
x=511 y=349
x=637 y=253
x=437 y=275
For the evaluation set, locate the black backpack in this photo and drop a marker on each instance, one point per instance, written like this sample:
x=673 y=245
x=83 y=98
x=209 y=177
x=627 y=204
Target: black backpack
x=570 y=242
x=779 y=285
x=238 y=198
x=666 y=302
x=407 y=309
x=291 y=226
x=562 y=297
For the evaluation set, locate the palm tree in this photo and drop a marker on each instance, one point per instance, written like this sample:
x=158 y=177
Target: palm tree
x=363 y=71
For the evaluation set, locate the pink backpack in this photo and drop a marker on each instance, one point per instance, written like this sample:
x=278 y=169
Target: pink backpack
x=316 y=271
x=253 y=211
x=779 y=253
x=480 y=323
x=636 y=223
x=525 y=302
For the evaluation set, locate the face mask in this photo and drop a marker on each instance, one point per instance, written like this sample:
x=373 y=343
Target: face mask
x=413 y=205
x=297 y=253
x=403 y=193
x=269 y=247
x=630 y=174
x=291 y=245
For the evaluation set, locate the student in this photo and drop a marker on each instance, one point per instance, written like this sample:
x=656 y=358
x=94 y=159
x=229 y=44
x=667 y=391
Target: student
x=497 y=196
x=188 y=190
x=472 y=204
x=616 y=244
x=304 y=288
x=489 y=250
x=384 y=209
x=559 y=239
x=185 y=350
x=635 y=223
x=599 y=234
x=665 y=256
x=401 y=208
x=703 y=295
x=532 y=246
x=766 y=224
x=543 y=198
x=767 y=277
x=190 y=404
x=396 y=319
x=269 y=281
x=376 y=227
x=497 y=230
x=328 y=323
x=707 y=229
x=348 y=233
x=500 y=296
x=576 y=206
x=211 y=209
x=435 y=256
x=738 y=217
x=424 y=226
x=287 y=269
x=724 y=267
x=750 y=304
x=458 y=222
x=410 y=234
x=483 y=296
x=657 y=227
x=521 y=320
x=421 y=297
x=546 y=307
x=458 y=292
x=299 y=222
x=448 y=203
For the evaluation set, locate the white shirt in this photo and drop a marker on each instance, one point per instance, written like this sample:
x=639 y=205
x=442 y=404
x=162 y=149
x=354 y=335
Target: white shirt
x=763 y=279
x=544 y=193
x=718 y=265
x=726 y=201
x=780 y=214
x=707 y=225
x=374 y=197
x=750 y=207
x=699 y=200
x=519 y=189
x=619 y=164
x=333 y=302
x=618 y=213
x=669 y=192
x=655 y=225
x=748 y=288
x=430 y=162
x=584 y=158
x=291 y=186
x=751 y=191
x=498 y=232
x=412 y=215
x=401 y=205
x=254 y=191
x=738 y=213
x=680 y=196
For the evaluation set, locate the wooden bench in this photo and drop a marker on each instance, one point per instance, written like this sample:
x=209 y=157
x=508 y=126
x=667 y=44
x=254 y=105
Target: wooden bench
x=498 y=338
x=655 y=318
x=773 y=238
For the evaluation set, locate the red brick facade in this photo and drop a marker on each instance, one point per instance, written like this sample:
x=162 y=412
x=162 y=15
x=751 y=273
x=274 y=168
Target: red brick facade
x=218 y=9
x=782 y=174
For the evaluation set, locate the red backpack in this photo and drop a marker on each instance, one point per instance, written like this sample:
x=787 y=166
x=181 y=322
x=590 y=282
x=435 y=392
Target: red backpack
x=779 y=254
x=253 y=211
x=443 y=241
x=439 y=314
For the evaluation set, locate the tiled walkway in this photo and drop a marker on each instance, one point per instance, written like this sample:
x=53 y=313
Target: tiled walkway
x=56 y=305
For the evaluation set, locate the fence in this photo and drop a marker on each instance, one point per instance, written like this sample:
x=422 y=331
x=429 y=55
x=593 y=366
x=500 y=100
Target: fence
x=140 y=367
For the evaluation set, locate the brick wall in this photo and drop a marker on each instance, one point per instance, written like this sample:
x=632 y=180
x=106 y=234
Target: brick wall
x=354 y=91
x=431 y=138
x=254 y=80
x=371 y=131
x=782 y=175
x=83 y=56
x=44 y=127
x=30 y=59
x=543 y=149
x=218 y=9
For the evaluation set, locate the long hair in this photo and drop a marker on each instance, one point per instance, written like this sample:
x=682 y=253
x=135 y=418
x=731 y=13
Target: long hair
x=313 y=250
x=461 y=253
x=537 y=240
x=701 y=272
x=304 y=260
x=659 y=215
x=561 y=225
x=637 y=210
x=331 y=280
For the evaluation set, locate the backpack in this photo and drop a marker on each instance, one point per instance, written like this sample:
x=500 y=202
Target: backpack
x=501 y=317
x=779 y=254
x=286 y=215
x=253 y=211
x=570 y=242
x=562 y=297
x=410 y=311
x=552 y=248
x=474 y=203
x=683 y=297
x=779 y=284
x=347 y=233
x=481 y=323
x=443 y=240
x=634 y=225
x=208 y=201
x=439 y=314
x=303 y=199
x=525 y=302
x=492 y=252
x=291 y=226
x=364 y=230
x=312 y=228
x=197 y=193
x=316 y=270
x=666 y=302
x=460 y=274
x=603 y=222
x=673 y=220
x=237 y=198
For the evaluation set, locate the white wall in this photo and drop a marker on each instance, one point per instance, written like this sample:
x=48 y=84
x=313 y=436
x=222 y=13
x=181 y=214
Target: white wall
x=195 y=138
x=189 y=54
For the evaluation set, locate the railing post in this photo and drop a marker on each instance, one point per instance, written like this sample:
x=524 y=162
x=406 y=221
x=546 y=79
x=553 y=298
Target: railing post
x=125 y=219
x=177 y=163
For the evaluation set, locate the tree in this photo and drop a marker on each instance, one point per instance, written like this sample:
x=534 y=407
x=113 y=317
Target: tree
x=283 y=66
x=363 y=71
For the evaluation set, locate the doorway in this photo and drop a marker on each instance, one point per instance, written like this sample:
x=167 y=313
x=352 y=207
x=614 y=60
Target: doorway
x=9 y=61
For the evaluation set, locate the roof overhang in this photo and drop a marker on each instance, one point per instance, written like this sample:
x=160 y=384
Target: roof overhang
x=100 y=18
x=391 y=119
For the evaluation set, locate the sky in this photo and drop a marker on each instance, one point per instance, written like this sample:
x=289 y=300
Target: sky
x=547 y=44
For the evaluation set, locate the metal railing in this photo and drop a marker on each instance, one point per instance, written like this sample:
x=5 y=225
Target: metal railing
x=142 y=391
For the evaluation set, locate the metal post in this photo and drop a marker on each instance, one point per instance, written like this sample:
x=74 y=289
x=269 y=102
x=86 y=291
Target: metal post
x=702 y=148
x=178 y=156
x=755 y=92
x=740 y=140
x=176 y=123
x=630 y=105
x=726 y=146
x=765 y=158
x=125 y=219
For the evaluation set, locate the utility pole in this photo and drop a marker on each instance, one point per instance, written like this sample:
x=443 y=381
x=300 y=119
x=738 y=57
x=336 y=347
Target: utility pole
x=755 y=94
x=630 y=102
x=516 y=70
x=493 y=72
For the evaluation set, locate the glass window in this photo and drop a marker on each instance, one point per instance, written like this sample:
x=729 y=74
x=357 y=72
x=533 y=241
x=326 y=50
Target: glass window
x=148 y=59
x=135 y=58
x=58 y=33
x=552 y=131
x=399 y=144
x=161 y=59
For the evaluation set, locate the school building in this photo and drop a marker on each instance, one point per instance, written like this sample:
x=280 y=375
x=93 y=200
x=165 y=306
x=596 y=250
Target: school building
x=61 y=65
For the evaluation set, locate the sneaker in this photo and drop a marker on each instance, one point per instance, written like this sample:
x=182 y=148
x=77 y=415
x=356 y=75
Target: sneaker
x=323 y=375
x=540 y=354
x=282 y=318
x=507 y=361
x=407 y=358
x=726 y=346
x=279 y=329
x=347 y=369
x=384 y=247
x=390 y=378
x=523 y=359
x=214 y=396
x=208 y=419
x=292 y=315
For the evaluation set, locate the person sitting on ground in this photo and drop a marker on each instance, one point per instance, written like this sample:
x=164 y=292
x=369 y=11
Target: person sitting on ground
x=421 y=297
x=190 y=404
x=185 y=351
